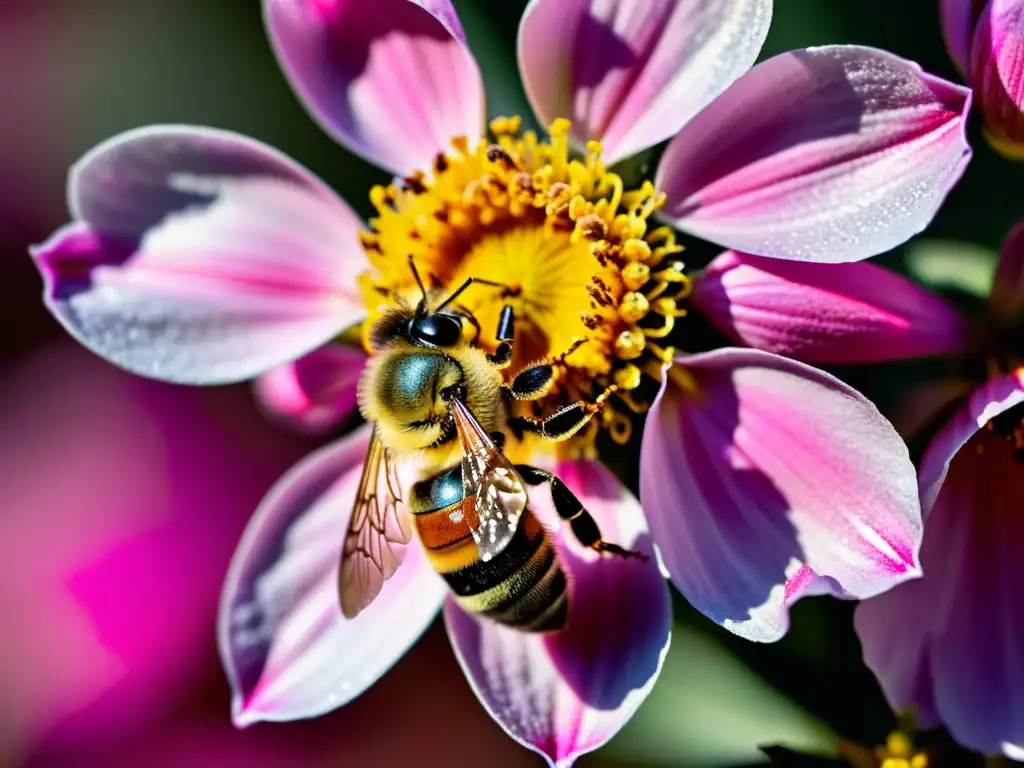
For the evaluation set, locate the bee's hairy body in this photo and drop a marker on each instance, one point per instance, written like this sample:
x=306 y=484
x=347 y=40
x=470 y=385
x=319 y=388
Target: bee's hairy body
x=524 y=586
x=435 y=396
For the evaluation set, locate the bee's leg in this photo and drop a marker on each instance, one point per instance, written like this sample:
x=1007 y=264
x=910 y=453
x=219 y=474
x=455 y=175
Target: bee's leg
x=563 y=423
x=569 y=508
x=506 y=337
x=534 y=381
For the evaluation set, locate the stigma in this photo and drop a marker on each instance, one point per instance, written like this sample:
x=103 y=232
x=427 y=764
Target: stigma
x=594 y=285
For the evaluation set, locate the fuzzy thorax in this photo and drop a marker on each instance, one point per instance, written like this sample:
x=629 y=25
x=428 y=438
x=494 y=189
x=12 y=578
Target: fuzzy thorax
x=401 y=391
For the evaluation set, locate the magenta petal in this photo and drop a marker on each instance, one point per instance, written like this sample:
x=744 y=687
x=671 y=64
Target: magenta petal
x=772 y=481
x=392 y=80
x=631 y=73
x=1007 y=300
x=199 y=256
x=997 y=73
x=825 y=154
x=959 y=18
x=287 y=650
x=825 y=313
x=950 y=642
x=567 y=694
x=317 y=391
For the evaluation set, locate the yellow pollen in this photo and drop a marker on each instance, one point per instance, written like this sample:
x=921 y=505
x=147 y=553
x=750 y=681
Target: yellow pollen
x=591 y=283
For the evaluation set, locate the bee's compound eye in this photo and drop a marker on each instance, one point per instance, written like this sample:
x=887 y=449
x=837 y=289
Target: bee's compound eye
x=436 y=330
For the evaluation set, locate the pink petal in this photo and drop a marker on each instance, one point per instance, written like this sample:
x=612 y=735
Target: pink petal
x=317 y=391
x=199 y=256
x=287 y=650
x=959 y=18
x=567 y=694
x=823 y=154
x=951 y=642
x=1007 y=300
x=392 y=80
x=997 y=73
x=772 y=481
x=825 y=313
x=631 y=73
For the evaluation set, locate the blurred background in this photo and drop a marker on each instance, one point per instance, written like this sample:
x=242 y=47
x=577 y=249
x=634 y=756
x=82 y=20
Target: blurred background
x=121 y=500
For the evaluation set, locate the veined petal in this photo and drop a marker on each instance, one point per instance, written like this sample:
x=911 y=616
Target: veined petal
x=826 y=154
x=1007 y=299
x=392 y=80
x=950 y=642
x=287 y=650
x=566 y=694
x=771 y=480
x=959 y=17
x=200 y=257
x=825 y=313
x=997 y=74
x=630 y=73
x=317 y=391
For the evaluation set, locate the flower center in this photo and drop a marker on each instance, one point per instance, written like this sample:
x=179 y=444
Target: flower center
x=593 y=285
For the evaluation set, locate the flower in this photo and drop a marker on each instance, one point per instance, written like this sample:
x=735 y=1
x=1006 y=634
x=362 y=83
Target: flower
x=948 y=643
x=198 y=256
x=986 y=42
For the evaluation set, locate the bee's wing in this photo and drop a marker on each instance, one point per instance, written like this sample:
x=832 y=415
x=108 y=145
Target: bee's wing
x=491 y=480
x=377 y=535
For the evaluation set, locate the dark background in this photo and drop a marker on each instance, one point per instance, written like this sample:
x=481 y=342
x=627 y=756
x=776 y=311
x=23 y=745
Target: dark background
x=121 y=499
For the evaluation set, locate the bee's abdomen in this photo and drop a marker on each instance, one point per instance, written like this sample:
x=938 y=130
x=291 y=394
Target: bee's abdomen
x=524 y=586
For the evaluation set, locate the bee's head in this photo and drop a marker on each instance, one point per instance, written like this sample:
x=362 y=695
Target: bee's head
x=408 y=392
x=432 y=330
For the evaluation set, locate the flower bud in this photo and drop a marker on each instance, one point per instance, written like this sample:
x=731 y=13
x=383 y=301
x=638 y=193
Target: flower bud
x=997 y=74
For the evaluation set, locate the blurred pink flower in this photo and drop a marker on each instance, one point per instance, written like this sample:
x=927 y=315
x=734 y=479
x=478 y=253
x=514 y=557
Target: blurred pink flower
x=986 y=41
x=199 y=256
x=122 y=500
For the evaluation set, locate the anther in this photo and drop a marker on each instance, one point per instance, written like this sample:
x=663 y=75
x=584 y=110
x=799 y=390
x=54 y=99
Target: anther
x=630 y=344
x=636 y=250
x=636 y=275
x=633 y=307
x=627 y=377
x=590 y=227
x=501 y=126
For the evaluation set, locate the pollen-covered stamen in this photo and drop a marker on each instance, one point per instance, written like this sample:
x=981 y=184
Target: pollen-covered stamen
x=1010 y=426
x=573 y=246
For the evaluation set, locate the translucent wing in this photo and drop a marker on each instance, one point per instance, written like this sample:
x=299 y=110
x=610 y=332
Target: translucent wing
x=490 y=478
x=377 y=535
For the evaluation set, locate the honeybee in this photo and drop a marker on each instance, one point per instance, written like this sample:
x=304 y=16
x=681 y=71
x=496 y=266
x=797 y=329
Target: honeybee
x=434 y=395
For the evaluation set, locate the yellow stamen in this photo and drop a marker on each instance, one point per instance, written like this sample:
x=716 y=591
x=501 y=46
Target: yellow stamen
x=571 y=246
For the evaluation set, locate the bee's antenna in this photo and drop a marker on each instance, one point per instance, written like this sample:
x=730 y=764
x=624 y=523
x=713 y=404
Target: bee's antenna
x=419 y=282
x=469 y=281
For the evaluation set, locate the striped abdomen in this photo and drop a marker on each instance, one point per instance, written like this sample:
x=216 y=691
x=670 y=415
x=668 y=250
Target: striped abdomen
x=523 y=586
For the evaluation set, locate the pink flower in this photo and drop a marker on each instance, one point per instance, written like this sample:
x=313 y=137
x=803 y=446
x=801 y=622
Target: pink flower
x=986 y=40
x=201 y=257
x=948 y=643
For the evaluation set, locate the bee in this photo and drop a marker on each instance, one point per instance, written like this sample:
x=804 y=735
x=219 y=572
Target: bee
x=434 y=395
